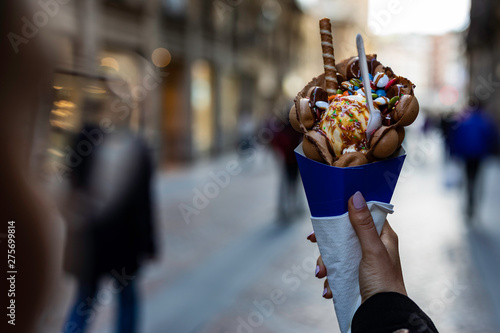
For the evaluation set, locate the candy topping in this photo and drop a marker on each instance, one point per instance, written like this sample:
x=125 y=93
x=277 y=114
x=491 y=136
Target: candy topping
x=380 y=80
x=389 y=84
x=322 y=105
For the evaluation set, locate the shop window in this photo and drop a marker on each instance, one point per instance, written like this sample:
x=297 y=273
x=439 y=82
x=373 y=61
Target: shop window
x=174 y=8
x=202 y=106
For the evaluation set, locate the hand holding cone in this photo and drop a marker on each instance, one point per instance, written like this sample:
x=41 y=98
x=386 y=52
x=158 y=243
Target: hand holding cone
x=330 y=111
x=380 y=269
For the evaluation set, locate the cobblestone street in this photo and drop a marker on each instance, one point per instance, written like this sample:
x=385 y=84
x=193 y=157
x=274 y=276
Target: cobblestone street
x=232 y=268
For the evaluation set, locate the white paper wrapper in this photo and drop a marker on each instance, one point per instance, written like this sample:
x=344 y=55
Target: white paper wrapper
x=341 y=253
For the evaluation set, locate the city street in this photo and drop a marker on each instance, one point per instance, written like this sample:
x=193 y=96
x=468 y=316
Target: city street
x=148 y=162
x=232 y=268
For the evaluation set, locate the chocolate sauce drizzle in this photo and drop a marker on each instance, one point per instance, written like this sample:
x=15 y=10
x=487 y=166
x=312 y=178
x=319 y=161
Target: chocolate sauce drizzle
x=328 y=142
x=353 y=70
x=317 y=95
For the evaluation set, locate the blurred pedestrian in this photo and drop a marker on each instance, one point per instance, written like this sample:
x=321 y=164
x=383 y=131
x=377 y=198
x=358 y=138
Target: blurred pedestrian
x=429 y=124
x=446 y=125
x=110 y=225
x=246 y=131
x=452 y=168
x=284 y=143
x=472 y=139
x=385 y=306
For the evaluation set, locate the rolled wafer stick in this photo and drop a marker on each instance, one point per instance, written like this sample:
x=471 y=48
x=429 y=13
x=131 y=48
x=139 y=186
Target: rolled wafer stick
x=325 y=29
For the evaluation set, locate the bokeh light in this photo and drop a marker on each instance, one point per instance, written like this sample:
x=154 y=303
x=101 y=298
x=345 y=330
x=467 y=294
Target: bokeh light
x=110 y=62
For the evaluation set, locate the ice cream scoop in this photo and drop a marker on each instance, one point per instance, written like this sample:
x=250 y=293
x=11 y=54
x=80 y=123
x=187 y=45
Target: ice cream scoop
x=344 y=123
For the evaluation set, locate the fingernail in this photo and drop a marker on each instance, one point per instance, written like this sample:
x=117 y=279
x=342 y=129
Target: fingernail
x=310 y=235
x=358 y=201
x=317 y=270
x=324 y=292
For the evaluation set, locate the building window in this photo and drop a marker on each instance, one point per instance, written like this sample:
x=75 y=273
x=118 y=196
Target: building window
x=202 y=106
x=174 y=8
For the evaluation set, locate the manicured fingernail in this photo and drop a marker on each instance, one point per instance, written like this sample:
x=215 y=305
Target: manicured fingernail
x=308 y=236
x=358 y=201
x=324 y=292
x=317 y=270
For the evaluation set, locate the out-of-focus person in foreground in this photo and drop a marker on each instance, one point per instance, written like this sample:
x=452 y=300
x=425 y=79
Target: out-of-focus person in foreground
x=385 y=306
x=26 y=76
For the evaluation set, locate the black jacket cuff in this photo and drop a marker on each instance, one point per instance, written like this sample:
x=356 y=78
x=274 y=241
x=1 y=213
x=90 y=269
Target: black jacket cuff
x=389 y=312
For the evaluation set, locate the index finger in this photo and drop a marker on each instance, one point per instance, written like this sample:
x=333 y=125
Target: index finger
x=362 y=222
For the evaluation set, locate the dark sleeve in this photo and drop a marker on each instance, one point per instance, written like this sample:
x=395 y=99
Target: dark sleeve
x=493 y=136
x=147 y=236
x=389 y=312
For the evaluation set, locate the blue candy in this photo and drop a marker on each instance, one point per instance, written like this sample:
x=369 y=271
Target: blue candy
x=370 y=76
x=356 y=87
x=350 y=93
x=381 y=92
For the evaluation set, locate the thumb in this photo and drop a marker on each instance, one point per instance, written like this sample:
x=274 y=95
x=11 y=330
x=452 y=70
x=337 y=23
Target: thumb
x=362 y=223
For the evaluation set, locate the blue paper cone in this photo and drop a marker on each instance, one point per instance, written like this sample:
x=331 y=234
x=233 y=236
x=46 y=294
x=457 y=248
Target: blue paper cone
x=329 y=188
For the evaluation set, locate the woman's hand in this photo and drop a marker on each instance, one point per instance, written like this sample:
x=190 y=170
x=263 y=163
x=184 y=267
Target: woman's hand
x=380 y=267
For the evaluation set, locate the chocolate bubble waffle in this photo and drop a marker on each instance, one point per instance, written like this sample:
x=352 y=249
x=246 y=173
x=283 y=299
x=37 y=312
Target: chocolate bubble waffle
x=332 y=113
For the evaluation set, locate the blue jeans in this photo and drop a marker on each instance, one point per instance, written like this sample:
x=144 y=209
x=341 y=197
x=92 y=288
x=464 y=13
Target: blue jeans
x=89 y=301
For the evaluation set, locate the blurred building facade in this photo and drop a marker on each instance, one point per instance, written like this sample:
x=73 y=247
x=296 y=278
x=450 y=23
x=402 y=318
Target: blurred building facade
x=483 y=52
x=95 y=42
x=228 y=61
x=197 y=71
x=348 y=19
x=434 y=63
